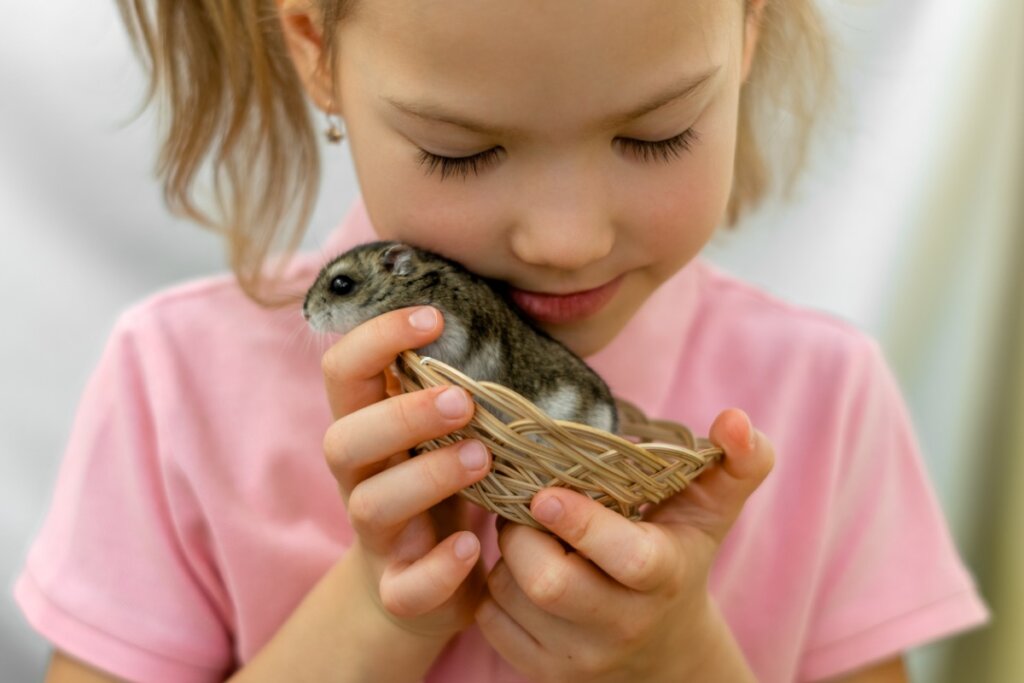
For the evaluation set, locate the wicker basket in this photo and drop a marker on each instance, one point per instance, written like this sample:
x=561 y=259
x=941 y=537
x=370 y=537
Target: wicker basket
x=652 y=460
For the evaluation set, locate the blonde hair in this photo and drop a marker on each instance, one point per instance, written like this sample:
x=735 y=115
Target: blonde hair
x=235 y=102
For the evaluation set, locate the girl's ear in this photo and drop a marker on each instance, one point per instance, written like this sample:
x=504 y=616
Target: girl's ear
x=301 y=27
x=751 y=32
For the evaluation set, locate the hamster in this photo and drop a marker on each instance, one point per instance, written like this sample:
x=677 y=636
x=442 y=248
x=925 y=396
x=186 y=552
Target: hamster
x=484 y=336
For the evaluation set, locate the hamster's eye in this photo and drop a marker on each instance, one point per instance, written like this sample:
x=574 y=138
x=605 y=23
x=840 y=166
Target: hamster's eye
x=342 y=285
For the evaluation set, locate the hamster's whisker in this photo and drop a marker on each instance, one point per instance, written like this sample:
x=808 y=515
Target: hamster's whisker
x=312 y=340
x=297 y=333
x=300 y=333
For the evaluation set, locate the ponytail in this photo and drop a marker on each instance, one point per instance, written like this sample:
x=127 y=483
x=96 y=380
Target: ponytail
x=236 y=103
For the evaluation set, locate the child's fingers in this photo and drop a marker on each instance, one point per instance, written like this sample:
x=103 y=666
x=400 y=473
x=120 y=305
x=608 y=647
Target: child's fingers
x=411 y=589
x=507 y=637
x=358 y=444
x=535 y=569
x=749 y=457
x=722 y=490
x=635 y=555
x=385 y=502
x=354 y=367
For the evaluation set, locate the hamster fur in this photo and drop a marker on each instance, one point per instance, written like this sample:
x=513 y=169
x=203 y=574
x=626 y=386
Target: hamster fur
x=484 y=335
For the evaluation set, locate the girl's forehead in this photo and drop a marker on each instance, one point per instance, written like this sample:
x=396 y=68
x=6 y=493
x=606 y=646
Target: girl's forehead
x=627 y=30
x=552 y=51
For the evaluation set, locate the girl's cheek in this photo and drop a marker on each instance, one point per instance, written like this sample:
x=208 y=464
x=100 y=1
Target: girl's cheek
x=704 y=192
x=460 y=222
x=676 y=211
x=690 y=197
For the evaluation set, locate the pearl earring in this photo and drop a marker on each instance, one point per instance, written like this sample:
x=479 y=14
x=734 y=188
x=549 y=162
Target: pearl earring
x=333 y=133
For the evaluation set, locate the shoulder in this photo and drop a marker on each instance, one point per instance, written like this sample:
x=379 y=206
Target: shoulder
x=208 y=365
x=202 y=344
x=869 y=566
x=189 y=311
x=802 y=375
x=215 y=309
x=756 y=328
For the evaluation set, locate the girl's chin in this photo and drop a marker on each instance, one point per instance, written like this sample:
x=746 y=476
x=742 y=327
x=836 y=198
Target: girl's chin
x=587 y=337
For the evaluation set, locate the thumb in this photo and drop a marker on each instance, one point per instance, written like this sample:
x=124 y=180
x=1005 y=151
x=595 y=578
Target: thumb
x=713 y=501
x=748 y=454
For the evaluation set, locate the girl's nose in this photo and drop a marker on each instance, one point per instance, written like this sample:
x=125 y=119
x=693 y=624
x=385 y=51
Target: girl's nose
x=566 y=226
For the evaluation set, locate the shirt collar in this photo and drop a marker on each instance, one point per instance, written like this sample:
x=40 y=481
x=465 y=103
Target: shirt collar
x=640 y=364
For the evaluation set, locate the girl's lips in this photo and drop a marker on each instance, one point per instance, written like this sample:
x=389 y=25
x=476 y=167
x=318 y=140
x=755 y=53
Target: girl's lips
x=564 y=308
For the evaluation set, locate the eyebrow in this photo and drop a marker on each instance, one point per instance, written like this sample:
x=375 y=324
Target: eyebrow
x=435 y=112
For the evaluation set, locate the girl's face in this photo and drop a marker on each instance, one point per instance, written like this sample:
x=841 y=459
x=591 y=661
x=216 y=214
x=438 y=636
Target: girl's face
x=558 y=146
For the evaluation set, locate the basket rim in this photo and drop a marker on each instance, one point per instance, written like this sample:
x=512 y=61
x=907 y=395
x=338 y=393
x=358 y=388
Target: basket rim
x=436 y=370
x=619 y=461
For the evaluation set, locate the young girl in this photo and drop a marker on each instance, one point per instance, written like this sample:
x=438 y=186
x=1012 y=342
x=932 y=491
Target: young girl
x=583 y=152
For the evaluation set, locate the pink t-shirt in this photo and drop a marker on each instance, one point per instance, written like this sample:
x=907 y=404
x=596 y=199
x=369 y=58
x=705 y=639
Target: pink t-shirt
x=194 y=509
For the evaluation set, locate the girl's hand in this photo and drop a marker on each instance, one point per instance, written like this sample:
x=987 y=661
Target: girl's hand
x=415 y=562
x=631 y=603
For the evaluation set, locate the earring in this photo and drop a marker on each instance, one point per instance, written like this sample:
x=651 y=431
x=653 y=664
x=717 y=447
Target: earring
x=333 y=133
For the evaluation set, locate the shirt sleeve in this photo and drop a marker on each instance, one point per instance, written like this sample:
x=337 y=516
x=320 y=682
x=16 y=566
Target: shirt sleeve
x=891 y=578
x=107 y=579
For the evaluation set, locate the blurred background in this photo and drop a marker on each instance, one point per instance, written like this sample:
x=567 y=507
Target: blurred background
x=909 y=223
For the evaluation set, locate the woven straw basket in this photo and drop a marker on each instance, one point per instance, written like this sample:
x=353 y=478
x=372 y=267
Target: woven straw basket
x=652 y=460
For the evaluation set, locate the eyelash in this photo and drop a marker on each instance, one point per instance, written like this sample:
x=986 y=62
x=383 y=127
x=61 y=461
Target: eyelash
x=646 y=150
x=458 y=165
x=664 y=150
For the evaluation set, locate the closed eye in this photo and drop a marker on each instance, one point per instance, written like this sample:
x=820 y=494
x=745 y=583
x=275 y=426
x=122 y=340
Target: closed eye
x=458 y=165
x=661 y=150
x=645 y=150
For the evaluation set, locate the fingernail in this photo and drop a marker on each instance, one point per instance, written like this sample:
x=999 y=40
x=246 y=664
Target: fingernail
x=466 y=546
x=472 y=455
x=548 y=510
x=423 y=318
x=751 y=431
x=452 y=402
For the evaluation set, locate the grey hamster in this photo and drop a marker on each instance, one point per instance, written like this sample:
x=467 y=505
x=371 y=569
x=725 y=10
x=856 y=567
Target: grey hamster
x=484 y=336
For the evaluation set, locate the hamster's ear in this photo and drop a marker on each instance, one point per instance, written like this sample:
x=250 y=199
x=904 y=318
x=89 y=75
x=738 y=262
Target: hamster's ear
x=399 y=259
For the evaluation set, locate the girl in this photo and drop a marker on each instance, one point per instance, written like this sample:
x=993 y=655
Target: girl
x=583 y=152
